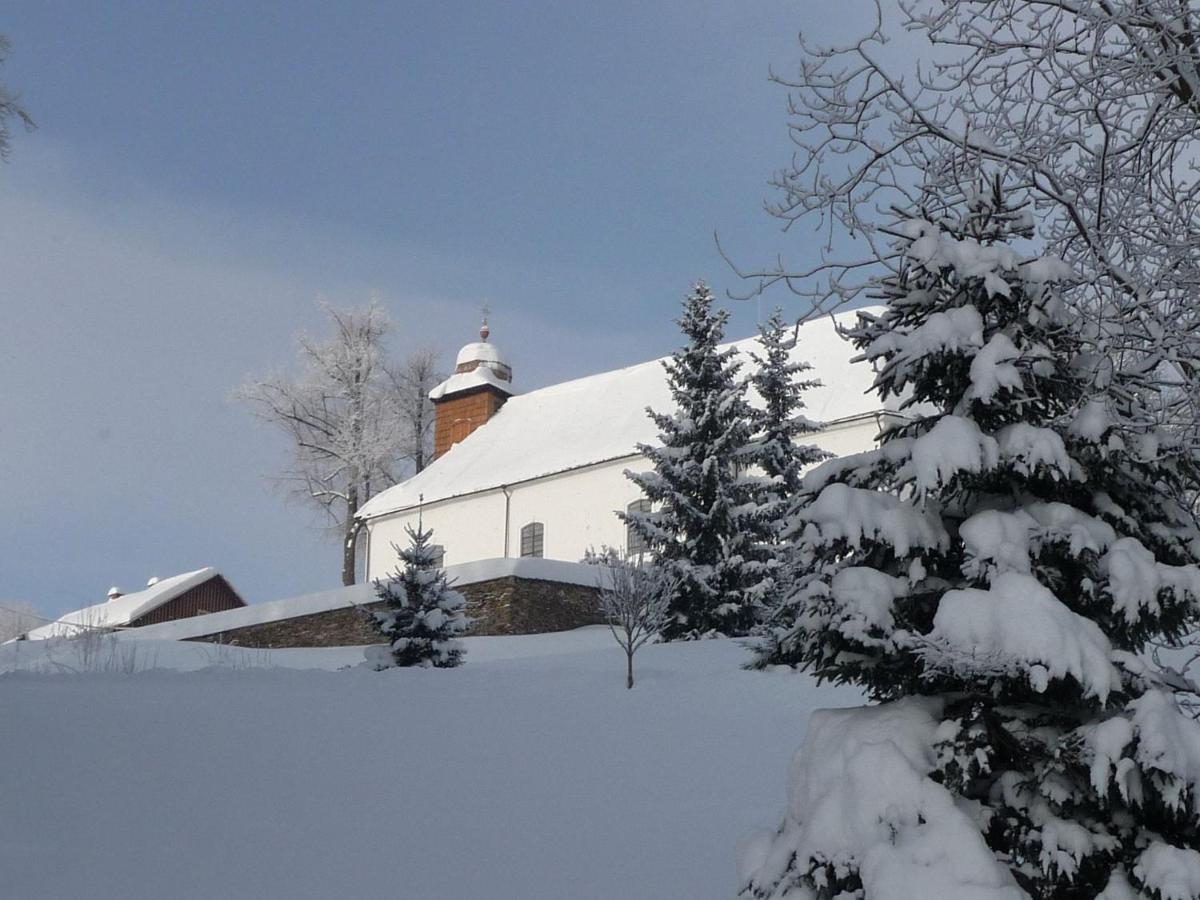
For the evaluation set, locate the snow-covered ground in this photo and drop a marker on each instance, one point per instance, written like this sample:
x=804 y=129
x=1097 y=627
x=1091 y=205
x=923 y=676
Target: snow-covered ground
x=528 y=773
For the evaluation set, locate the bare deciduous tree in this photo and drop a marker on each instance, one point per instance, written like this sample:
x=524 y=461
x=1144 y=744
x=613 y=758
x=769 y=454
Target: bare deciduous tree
x=412 y=380
x=635 y=598
x=340 y=413
x=1090 y=109
x=10 y=108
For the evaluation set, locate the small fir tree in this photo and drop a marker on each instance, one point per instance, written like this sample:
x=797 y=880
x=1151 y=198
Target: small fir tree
x=702 y=532
x=992 y=575
x=423 y=616
x=781 y=456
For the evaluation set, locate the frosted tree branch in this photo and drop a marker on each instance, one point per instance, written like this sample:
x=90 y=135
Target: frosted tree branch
x=11 y=110
x=355 y=423
x=1090 y=109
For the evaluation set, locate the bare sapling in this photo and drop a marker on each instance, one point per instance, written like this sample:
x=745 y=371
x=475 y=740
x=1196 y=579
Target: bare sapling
x=635 y=599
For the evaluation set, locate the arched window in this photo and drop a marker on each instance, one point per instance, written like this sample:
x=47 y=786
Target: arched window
x=634 y=542
x=533 y=539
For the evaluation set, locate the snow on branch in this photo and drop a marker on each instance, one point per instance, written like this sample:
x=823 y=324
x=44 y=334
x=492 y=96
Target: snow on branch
x=1089 y=110
x=354 y=420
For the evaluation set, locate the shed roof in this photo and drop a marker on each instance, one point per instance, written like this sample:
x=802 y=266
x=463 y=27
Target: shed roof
x=125 y=609
x=603 y=417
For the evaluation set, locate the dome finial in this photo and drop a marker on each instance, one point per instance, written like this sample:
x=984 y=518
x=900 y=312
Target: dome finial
x=483 y=353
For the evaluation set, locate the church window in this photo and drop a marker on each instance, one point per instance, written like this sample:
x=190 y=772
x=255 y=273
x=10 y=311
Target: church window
x=634 y=542
x=533 y=539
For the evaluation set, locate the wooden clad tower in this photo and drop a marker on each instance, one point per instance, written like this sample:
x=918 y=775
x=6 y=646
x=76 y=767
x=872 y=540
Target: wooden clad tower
x=481 y=382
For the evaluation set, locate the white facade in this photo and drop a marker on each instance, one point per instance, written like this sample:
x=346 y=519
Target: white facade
x=577 y=508
x=558 y=456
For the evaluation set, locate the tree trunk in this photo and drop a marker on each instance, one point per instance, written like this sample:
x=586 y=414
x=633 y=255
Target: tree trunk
x=629 y=669
x=418 y=438
x=349 y=555
x=350 y=540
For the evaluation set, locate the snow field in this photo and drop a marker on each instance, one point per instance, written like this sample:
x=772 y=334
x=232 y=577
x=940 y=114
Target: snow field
x=530 y=772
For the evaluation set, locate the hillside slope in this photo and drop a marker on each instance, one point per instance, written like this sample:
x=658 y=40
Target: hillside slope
x=528 y=773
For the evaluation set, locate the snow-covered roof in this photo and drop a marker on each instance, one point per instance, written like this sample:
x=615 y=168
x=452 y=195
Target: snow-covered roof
x=464 y=381
x=603 y=417
x=480 y=351
x=339 y=598
x=125 y=609
x=478 y=364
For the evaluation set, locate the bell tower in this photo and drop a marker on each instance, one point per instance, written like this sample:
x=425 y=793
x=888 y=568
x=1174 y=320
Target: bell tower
x=481 y=382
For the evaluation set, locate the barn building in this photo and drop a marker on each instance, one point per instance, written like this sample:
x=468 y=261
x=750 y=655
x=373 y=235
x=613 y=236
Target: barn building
x=542 y=474
x=163 y=600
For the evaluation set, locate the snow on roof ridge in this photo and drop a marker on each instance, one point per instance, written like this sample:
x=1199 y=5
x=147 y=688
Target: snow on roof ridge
x=534 y=435
x=124 y=609
x=564 y=386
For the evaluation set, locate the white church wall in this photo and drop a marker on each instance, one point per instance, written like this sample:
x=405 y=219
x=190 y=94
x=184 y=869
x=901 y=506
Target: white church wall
x=577 y=508
x=470 y=528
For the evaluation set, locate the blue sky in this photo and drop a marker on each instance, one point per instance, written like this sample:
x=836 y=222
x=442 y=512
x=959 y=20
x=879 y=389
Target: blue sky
x=203 y=172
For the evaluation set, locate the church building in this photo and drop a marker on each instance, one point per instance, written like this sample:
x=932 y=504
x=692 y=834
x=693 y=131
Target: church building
x=542 y=474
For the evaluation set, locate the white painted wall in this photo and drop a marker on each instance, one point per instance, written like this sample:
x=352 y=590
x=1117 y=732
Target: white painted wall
x=578 y=509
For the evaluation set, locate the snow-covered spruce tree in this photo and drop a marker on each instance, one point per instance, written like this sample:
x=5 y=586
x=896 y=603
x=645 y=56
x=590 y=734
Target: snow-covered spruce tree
x=422 y=616
x=991 y=575
x=777 y=379
x=703 y=529
x=780 y=455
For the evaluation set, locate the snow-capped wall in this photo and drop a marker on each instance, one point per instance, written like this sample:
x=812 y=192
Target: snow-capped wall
x=460 y=576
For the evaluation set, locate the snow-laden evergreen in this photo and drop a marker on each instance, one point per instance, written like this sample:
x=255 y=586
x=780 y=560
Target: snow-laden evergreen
x=702 y=530
x=422 y=616
x=992 y=575
x=778 y=449
x=780 y=456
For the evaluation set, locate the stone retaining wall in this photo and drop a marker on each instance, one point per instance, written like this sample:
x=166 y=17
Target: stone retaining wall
x=526 y=606
x=507 y=605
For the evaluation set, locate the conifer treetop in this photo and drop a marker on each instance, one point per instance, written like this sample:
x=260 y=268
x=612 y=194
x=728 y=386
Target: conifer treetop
x=703 y=498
